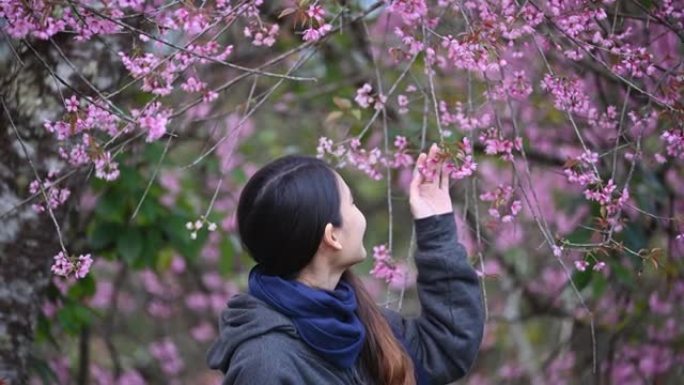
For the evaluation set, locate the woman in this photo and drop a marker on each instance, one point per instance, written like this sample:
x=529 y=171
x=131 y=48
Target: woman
x=308 y=320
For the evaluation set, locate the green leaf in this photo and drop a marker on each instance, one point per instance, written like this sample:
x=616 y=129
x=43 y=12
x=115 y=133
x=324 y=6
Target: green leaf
x=44 y=331
x=634 y=237
x=164 y=259
x=131 y=181
x=174 y=229
x=150 y=248
x=356 y=113
x=102 y=234
x=148 y=212
x=83 y=288
x=129 y=244
x=582 y=278
x=74 y=317
x=111 y=208
x=599 y=285
x=153 y=152
x=622 y=274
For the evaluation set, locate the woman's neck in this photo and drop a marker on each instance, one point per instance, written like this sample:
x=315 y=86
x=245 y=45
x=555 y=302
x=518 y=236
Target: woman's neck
x=320 y=277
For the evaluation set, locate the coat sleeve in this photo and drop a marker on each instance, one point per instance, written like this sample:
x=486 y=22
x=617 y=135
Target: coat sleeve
x=254 y=363
x=446 y=337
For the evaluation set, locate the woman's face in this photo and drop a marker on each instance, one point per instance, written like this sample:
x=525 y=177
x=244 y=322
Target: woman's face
x=353 y=227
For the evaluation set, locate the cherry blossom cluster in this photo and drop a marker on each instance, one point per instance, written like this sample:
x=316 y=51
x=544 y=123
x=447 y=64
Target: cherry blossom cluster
x=581 y=169
x=458 y=164
x=316 y=16
x=78 y=154
x=159 y=73
x=577 y=22
x=495 y=145
x=105 y=167
x=153 y=118
x=413 y=45
x=197 y=225
x=66 y=266
x=55 y=196
x=470 y=53
x=365 y=98
x=516 y=22
x=568 y=93
x=604 y=195
x=503 y=206
x=461 y=163
x=371 y=162
x=403 y=100
x=674 y=142
x=634 y=61
x=604 y=122
x=461 y=119
x=83 y=116
x=411 y=11
x=387 y=269
x=516 y=86
x=262 y=35
x=582 y=265
x=42 y=19
x=77 y=134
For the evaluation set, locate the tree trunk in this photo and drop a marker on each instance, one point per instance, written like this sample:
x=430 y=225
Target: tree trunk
x=28 y=240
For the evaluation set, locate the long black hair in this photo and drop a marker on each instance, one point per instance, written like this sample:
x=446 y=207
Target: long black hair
x=282 y=213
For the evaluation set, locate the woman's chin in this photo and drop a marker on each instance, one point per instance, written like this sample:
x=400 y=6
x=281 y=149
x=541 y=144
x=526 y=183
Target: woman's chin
x=360 y=258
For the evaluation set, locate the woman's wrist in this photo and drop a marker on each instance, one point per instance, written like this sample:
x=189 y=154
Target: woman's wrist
x=434 y=230
x=428 y=214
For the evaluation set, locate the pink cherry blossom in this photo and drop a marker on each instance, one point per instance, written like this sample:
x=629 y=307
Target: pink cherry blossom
x=363 y=97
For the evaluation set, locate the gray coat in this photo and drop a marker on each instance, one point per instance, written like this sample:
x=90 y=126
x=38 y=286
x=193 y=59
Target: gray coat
x=257 y=345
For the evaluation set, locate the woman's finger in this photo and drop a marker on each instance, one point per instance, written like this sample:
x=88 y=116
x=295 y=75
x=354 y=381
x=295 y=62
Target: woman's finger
x=444 y=176
x=432 y=164
x=417 y=175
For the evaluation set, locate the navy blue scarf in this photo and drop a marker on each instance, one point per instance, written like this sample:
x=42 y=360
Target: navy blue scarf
x=325 y=320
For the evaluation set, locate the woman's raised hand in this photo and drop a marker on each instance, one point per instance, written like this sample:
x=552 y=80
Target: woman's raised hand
x=429 y=192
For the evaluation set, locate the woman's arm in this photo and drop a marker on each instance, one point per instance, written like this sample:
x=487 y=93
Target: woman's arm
x=446 y=337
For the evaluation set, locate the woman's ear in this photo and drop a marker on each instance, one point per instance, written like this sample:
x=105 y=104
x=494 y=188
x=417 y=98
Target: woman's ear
x=330 y=238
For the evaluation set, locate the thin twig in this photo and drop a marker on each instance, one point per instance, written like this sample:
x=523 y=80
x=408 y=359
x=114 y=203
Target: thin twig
x=40 y=180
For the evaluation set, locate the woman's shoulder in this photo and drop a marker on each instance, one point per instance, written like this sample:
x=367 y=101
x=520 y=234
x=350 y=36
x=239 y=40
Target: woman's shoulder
x=277 y=346
x=280 y=356
x=268 y=347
